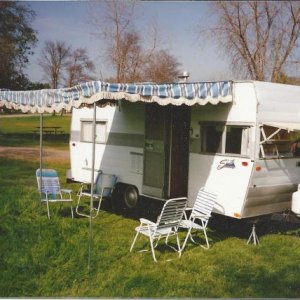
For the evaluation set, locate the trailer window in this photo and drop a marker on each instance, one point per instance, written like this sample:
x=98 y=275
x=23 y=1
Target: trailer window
x=87 y=131
x=212 y=138
x=227 y=139
x=236 y=140
x=276 y=142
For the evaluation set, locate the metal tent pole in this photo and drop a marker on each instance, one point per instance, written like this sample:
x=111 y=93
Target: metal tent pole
x=92 y=183
x=41 y=166
x=41 y=149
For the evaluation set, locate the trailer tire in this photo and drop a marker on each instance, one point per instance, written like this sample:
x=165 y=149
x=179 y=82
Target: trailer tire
x=125 y=197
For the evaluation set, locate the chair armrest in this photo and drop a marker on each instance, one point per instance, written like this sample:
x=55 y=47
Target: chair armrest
x=178 y=198
x=201 y=216
x=145 y=221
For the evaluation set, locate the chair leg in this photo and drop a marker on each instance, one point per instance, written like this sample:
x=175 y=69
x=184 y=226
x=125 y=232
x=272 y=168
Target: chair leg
x=192 y=239
x=134 y=240
x=178 y=243
x=78 y=201
x=77 y=206
x=158 y=239
x=207 y=244
x=98 y=208
x=48 y=211
x=152 y=248
x=72 y=212
x=186 y=238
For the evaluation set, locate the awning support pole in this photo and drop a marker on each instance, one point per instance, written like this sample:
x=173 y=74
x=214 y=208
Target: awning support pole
x=41 y=166
x=92 y=183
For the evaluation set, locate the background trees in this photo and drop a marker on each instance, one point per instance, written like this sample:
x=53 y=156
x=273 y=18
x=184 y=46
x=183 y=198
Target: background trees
x=62 y=65
x=79 y=68
x=53 y=60
x=17 y=38
x=125 y=48
x=260 y=37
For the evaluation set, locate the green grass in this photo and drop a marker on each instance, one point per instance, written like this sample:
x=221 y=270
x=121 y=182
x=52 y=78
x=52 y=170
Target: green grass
x=49 y=258
x=19 y=131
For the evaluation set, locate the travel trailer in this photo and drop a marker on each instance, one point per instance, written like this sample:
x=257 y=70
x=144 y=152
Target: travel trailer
x=242 y=150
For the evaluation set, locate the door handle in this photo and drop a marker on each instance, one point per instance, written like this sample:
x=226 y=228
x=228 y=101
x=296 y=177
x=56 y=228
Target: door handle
x=149 y=146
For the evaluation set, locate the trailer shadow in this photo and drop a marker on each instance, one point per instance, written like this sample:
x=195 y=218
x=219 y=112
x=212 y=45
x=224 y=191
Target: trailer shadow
x=224 y=227
x=219 y=227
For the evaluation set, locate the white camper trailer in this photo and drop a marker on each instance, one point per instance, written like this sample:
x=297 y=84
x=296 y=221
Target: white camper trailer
x=242 y=150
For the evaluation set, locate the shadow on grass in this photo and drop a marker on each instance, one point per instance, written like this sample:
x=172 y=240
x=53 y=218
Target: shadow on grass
x=219 y=227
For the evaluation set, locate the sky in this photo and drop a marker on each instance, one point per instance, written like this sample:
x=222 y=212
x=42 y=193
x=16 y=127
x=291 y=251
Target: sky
x=177 y=21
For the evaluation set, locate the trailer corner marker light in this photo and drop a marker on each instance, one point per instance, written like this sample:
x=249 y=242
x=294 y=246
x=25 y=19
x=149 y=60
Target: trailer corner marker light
x=237 y=215
x=245 y=163
x=258 y=168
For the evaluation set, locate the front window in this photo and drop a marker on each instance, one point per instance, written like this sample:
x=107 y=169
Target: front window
x=87 y=131
x=276 y=142
x=225 y=139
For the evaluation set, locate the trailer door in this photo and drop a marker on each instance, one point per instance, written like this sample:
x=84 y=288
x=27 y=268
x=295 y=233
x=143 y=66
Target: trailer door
x=166 y=151
x=179 y=152
x=155 y=150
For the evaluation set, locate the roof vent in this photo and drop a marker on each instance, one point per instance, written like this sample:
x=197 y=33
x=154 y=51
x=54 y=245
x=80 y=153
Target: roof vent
x=183 y=77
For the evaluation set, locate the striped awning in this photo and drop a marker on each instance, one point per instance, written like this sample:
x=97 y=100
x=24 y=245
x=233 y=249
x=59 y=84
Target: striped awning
x=49 y=100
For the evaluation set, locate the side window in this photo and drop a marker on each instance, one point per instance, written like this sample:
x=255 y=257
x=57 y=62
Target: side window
x=236 y=140
x=226 y=139
x=87 y=131
x=212 y=138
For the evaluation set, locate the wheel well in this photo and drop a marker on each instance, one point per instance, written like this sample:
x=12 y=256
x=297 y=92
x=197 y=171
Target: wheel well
x=125 y=195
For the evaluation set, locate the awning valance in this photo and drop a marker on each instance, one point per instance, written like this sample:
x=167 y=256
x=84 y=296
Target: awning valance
x=49 y=100
x=284 y=125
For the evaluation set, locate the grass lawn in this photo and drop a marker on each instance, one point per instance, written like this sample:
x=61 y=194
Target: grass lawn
x=49 y=258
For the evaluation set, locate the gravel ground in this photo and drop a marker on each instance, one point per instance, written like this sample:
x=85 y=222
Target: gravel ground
x=33 y=154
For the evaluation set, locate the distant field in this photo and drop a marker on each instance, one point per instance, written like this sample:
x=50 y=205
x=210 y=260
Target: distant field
x=19 y=131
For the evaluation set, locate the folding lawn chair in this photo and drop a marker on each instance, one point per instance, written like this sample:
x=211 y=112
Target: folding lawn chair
x=102 y=189
x=166 y=225
x=51 y=191
x=201 y=211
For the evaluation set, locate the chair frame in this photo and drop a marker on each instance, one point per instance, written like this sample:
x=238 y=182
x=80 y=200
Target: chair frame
x=201 y=211
x=167 y=225
x=51 y=186
x=105 y=191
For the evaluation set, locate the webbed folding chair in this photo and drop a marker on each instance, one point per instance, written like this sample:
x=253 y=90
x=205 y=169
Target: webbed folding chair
x=51 y=190
x=201 y=212
x=166 y=225
x=102 y=189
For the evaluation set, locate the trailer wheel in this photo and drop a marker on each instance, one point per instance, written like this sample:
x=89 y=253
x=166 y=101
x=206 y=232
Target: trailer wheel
x=125 y=196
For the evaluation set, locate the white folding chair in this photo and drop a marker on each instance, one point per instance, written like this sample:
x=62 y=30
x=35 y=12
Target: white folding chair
x=166 y=225
x=102 y=189
x=49 y=187
x=201 y=212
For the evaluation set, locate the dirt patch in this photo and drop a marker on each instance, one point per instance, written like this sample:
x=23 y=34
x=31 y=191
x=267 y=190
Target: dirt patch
x=33 y=154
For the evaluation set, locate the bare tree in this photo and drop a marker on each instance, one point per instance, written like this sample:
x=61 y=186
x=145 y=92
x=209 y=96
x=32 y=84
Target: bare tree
x=79 y=68
x=161 y=67
x=130 y=56
x=261 y=37
x=54 y=59
x=114 y=24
